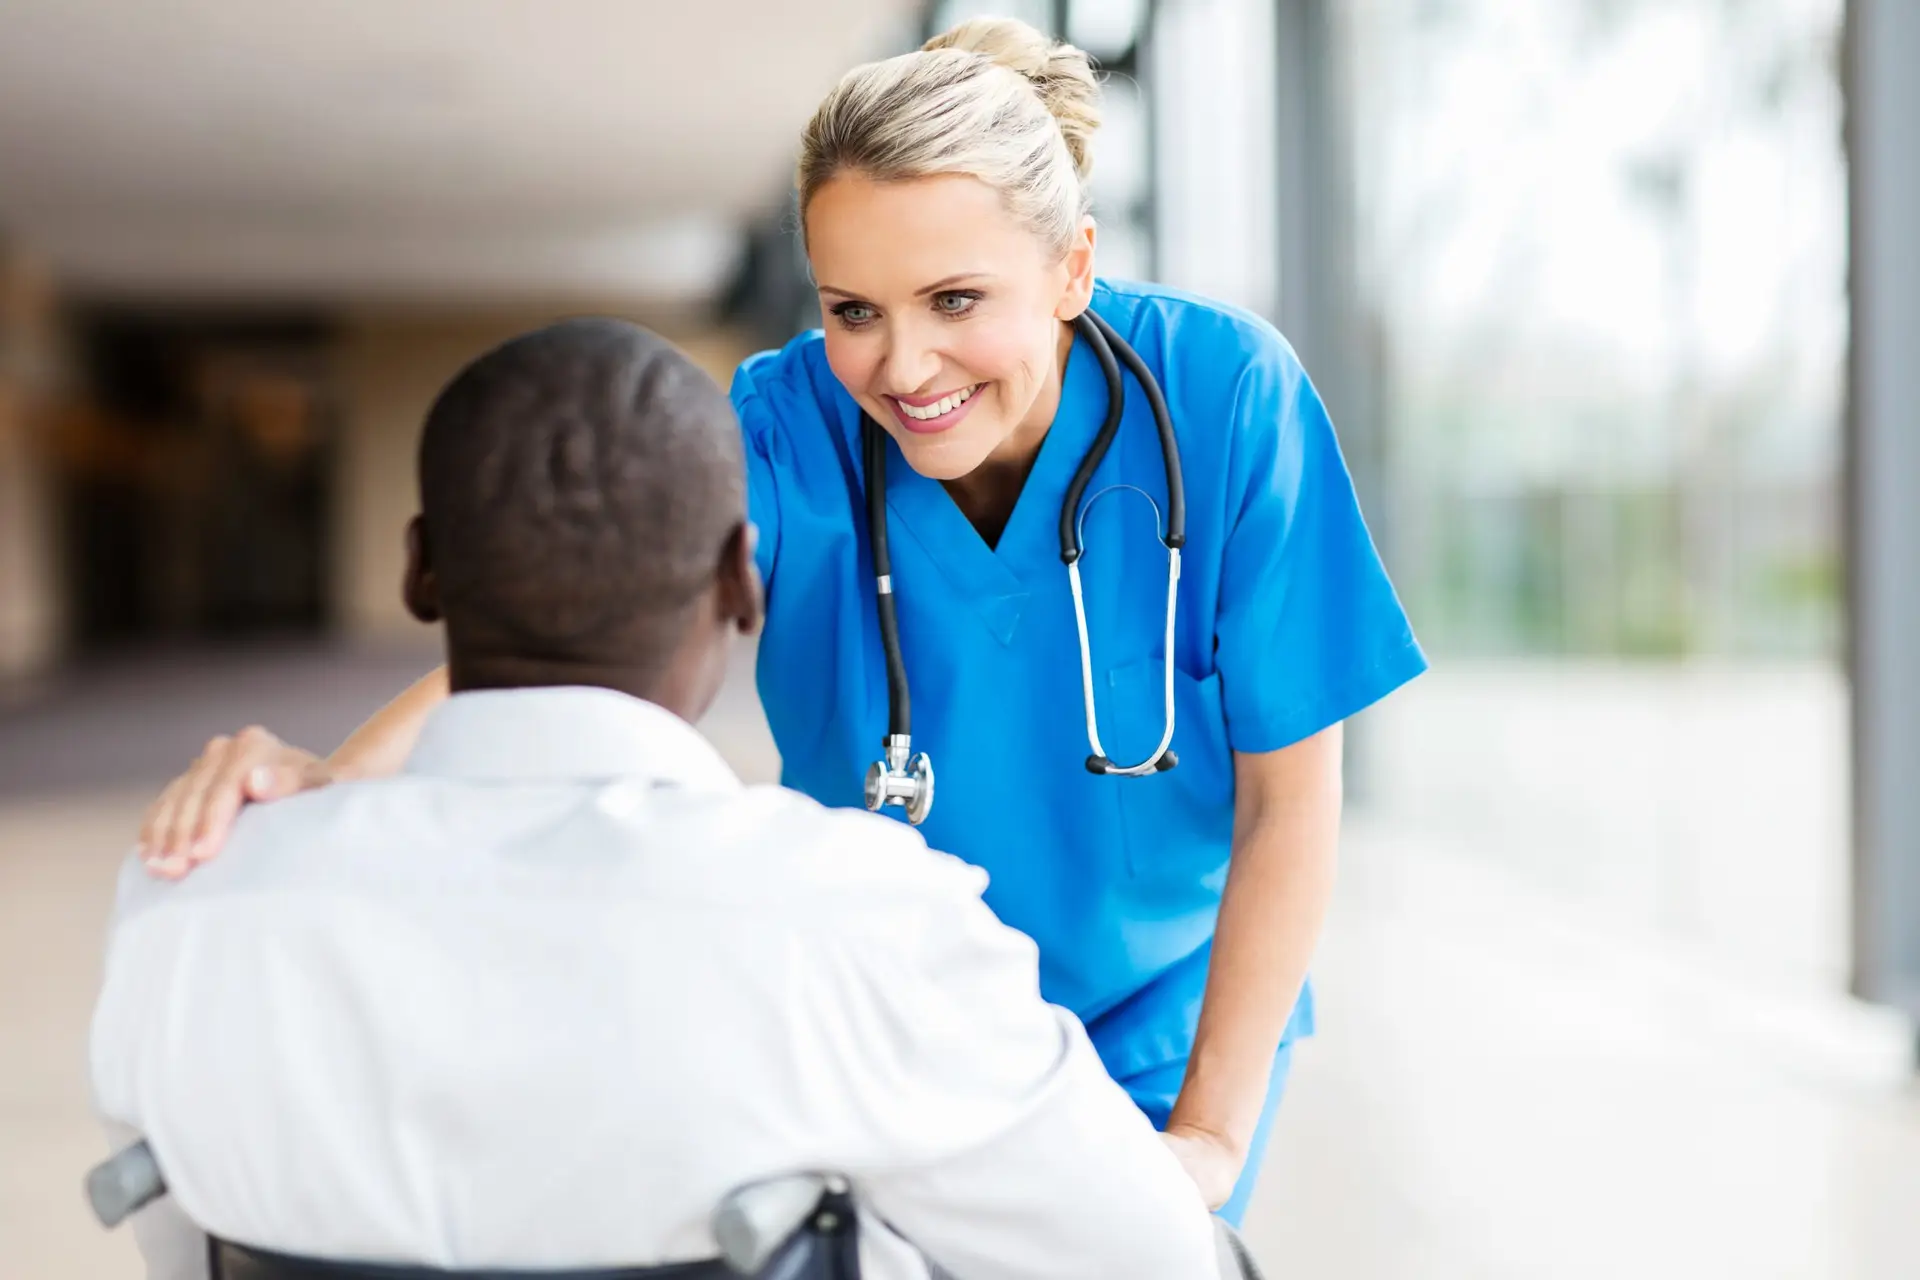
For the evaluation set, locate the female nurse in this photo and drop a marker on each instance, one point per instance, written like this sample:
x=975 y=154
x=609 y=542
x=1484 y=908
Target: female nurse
x=945 y=210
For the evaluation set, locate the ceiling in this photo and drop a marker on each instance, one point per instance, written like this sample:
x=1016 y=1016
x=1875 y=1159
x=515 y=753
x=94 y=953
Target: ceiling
x=358 y=148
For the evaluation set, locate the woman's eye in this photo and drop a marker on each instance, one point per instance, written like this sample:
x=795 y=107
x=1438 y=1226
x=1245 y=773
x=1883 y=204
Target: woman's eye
x=955 y=304
x=853 y=314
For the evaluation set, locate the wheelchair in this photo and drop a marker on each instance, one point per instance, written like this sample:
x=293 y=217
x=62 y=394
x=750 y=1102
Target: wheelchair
x=796 y=1227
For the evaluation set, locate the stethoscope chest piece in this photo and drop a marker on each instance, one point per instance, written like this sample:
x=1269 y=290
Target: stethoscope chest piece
x=902 y=779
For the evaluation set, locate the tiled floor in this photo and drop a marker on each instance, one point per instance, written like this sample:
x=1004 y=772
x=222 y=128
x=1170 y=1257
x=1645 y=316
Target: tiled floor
x=1496 y=1094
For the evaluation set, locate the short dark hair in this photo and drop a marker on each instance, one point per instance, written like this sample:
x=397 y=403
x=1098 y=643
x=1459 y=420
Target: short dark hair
x=576 y=483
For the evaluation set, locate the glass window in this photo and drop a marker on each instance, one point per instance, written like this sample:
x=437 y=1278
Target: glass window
x=949 y=13
x=1603 y=260
x=1122 y=252
x=1107 y=29
x=1120 y=150
x=1612 y=290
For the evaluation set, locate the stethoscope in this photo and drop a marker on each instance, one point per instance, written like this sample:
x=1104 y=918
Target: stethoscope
x=905 y=778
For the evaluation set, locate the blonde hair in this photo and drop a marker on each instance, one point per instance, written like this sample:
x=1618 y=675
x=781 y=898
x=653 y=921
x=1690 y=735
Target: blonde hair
x=992 y=98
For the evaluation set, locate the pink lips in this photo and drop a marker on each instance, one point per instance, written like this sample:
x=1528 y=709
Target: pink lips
x=931 y=426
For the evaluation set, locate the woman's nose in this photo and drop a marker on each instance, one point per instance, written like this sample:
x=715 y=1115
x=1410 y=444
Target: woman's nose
x=911 y=367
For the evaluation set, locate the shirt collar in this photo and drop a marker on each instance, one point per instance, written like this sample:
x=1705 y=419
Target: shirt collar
x=572 y=734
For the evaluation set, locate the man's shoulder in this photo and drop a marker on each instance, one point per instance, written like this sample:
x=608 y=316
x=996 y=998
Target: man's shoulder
x=764 y=850
x=854 y=857
x=284 y=843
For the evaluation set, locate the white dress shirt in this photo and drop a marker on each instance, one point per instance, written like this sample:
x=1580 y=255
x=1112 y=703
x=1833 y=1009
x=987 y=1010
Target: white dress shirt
x=545 y=997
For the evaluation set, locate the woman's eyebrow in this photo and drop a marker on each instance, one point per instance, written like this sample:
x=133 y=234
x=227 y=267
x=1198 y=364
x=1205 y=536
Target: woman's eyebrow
x=950 y=281
x=946 y=282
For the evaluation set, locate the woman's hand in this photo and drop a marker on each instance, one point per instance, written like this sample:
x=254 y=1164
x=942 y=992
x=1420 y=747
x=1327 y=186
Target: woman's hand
x=1210 y=1160
x=189 y=822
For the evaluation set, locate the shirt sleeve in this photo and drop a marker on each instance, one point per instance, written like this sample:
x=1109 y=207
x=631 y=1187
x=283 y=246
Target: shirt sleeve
x=763 y=442
x=1018 y=1156
x=1310 y=630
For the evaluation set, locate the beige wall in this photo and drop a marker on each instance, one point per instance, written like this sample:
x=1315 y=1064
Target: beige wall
x=30 y=612
x=391 y=366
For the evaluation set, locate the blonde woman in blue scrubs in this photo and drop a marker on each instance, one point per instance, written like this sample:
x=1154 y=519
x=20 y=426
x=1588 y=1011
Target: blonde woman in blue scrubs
x=946 y=214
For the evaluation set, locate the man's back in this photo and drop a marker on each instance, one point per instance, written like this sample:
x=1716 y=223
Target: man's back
x=546 y=997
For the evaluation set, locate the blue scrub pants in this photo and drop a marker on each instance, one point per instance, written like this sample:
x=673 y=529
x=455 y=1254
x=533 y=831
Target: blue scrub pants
x=1154 y=1090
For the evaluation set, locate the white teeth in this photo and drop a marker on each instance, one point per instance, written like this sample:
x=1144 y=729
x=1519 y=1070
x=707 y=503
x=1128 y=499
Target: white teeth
x=946 y=404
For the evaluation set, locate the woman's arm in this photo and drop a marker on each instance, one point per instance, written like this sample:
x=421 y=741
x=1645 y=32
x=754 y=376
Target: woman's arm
x=189 y=822
x=1279 y=882
x=381 y=745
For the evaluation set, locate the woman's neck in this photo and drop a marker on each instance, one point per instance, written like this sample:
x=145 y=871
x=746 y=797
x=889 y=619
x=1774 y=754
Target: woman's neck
x=987 y=494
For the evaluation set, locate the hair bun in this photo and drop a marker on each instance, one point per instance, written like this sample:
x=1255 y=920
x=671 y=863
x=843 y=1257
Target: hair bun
x=1061 y=74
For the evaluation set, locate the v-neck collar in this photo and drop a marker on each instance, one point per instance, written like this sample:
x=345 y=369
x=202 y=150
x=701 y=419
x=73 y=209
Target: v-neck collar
x=997 y=581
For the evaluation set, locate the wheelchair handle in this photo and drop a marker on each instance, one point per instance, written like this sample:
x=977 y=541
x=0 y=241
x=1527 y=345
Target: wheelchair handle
x=751 y=1224
x=125 y=1183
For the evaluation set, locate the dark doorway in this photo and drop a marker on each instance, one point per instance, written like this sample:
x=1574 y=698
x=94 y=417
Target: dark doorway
x=195 y=469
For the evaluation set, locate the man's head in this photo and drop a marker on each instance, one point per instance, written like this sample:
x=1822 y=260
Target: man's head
x=583 y=518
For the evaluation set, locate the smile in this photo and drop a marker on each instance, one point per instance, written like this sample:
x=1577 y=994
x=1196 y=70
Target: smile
x=937 y=414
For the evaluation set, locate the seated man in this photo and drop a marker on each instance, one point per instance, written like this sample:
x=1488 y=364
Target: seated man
x=543 y=999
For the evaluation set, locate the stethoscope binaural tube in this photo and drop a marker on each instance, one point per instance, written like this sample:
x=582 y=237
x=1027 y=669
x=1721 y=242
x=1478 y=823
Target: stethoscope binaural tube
x=1106 y=344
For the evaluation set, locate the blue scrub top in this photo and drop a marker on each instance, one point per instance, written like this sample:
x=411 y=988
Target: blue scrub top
x=1287 y=624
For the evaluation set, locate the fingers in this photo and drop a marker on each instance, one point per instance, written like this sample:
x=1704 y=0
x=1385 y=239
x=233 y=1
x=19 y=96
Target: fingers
x=213 y=814
x=288 y=777
x=183 y=815
x=155 y=828
x=225 y=791
x=190 y=821
x=177 y=837
x=168 y=832
x=268 y=782
x=154 y=821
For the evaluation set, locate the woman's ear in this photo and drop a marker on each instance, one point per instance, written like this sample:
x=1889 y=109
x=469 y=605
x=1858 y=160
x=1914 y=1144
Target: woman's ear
x=1078 y=295
x=418 y=588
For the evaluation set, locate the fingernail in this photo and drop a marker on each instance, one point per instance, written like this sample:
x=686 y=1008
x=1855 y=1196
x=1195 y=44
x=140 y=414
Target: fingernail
x=260 y=779
x=200 y=850
x=172 y=866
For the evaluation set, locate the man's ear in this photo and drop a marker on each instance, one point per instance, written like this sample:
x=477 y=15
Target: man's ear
x=1079 y=263
x=743 y=599
x=419 y=589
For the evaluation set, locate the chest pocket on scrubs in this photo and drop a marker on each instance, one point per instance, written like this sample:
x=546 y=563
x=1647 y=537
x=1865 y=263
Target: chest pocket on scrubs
x=1177 y=826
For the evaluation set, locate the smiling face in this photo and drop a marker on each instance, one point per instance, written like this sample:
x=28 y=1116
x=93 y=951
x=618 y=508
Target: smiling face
x=944 y=315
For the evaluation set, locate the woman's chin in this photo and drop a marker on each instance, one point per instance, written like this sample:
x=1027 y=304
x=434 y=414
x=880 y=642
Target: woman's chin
x=947 y=456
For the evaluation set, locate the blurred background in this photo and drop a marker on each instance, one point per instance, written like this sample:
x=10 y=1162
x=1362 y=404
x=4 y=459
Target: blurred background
x=1616 y=304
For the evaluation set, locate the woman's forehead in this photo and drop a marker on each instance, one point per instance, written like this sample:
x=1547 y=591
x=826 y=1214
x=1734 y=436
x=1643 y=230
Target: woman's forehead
x=904 y=236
